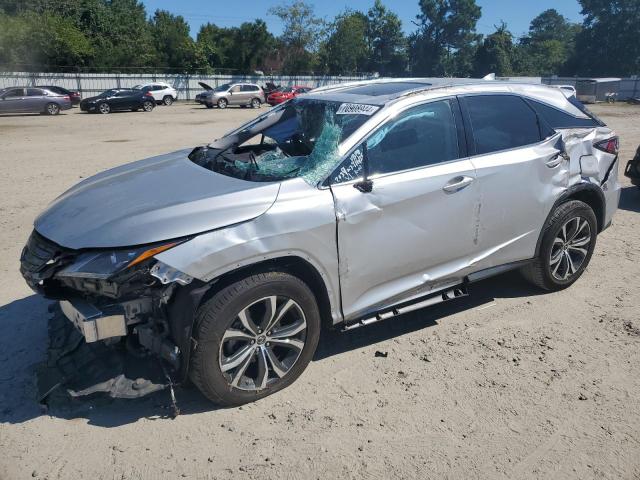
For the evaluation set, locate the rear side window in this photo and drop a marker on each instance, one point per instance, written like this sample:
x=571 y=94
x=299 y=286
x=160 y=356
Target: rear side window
x=556 y=118
x=578 y=104
x=501 y=122
x=34 y=92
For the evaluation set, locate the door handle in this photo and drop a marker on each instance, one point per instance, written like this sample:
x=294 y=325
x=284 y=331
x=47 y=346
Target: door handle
x=458 y=183
x=556 y=160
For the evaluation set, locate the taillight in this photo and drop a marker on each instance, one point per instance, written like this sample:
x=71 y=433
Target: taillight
x=66 y=97
x=611 y=145
x=148 y=94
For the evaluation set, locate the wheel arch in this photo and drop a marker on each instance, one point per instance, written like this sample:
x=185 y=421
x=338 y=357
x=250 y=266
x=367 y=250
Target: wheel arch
x=187 y=300
x=585 y=192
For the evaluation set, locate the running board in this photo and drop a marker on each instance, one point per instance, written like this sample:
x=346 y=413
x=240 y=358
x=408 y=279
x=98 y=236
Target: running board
x=445 y=296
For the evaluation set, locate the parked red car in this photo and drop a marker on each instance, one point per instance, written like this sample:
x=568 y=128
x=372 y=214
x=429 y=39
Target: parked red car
x=286 y=93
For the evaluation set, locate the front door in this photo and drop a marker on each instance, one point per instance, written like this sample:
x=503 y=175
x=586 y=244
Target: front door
x=416 y=229
x=13 y=101
x=521 y=172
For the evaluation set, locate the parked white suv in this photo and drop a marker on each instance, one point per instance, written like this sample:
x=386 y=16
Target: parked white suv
x=161 y=92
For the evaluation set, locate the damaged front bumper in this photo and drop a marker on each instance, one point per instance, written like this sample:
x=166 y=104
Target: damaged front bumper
x=131 y=306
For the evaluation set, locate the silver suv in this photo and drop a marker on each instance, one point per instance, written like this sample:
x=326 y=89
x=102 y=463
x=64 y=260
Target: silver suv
x=347 y=206
x=243 y=94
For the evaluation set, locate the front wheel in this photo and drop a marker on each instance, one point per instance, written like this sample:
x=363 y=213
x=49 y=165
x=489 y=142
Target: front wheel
x=254 y=338
x=222 y=103
x=567 y=245
x=104 y=108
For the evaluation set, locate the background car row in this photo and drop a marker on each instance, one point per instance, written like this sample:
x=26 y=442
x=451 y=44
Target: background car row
x=51 y=99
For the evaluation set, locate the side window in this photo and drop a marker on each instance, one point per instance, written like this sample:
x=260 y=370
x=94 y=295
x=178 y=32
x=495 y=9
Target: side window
x=246 y=88
x=424 y=135
x=34 y=92
x=501 y=122
x=16 y=92
x=235 y=88
x=157 y=88
x=558 y=119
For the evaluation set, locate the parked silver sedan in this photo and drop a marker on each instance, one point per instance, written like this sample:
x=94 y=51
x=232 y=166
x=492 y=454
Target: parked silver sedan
x=340 y=208
x=33 y=100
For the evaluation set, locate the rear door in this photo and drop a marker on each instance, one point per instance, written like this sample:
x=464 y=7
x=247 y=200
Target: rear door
x=521 y=171
x=36 y=100
x=125 y=99
x=415 y=230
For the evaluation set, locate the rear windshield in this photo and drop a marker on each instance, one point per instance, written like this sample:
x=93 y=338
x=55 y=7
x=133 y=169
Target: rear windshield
x=298 y=139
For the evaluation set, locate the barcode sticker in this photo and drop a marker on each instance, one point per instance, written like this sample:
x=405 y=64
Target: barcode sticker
x=356 y=109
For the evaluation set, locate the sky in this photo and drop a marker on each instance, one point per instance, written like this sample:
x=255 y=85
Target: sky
x=226 y=13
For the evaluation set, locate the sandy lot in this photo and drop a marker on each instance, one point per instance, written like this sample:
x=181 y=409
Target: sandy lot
x=509 y=383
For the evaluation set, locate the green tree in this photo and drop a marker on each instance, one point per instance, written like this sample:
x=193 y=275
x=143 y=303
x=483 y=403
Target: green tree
x=387 y=43
x=496 y=53
x=175 y=49
x=301 y=35
x=548 y=45
x=608 y=43
x=48 y=42
x=446 y=28
x=346 y=50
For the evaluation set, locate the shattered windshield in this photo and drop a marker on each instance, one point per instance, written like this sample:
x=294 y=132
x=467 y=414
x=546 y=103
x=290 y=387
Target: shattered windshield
x=298 y=139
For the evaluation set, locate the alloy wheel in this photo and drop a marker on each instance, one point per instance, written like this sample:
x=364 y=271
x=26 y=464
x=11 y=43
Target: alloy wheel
x=255 y=103
x=147 y=106
x=570 y=248
x=222 y=103
x=262 y=343
x=53 y=109
x=104 y=108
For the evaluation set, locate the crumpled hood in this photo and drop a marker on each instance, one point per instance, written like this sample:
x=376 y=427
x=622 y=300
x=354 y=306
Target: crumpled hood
x=152 y=200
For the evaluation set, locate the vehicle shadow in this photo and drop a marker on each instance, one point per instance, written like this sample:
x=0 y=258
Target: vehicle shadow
x=630 y=199
x=25 y=351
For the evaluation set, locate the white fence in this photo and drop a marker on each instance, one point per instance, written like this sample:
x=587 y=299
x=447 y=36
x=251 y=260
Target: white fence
x=89 y=84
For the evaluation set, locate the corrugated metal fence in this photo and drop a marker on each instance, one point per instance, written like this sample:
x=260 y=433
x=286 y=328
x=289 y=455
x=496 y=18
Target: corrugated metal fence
x=626 y=88
x=89 y=84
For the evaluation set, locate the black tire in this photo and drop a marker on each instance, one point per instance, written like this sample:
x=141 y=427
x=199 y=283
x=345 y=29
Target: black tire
x=103 y=108
x=540 y=271
x=135 y=109
x=52 y=109
x=148 y=105
x=222 y=103
x=256 y=103
x=167 y=100
x=218 y=315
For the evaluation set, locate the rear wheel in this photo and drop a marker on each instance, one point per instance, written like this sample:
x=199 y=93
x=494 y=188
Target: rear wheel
x=52 y=109
x=254 y=338
x=256 y=103
x=147 y=105
x=167 y=100
x=222 y=103
x=104 y=108
x=566 y=248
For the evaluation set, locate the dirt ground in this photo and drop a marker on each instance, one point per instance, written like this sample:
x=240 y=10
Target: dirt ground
x=509 y=383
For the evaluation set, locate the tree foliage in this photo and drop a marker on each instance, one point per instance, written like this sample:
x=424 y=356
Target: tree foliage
x=445 y=29
x=119 y=35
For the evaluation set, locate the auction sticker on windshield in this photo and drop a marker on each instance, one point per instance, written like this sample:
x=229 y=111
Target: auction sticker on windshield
x=356 y=109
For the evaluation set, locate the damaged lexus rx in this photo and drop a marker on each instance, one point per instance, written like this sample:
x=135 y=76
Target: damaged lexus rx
x=342 y=207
